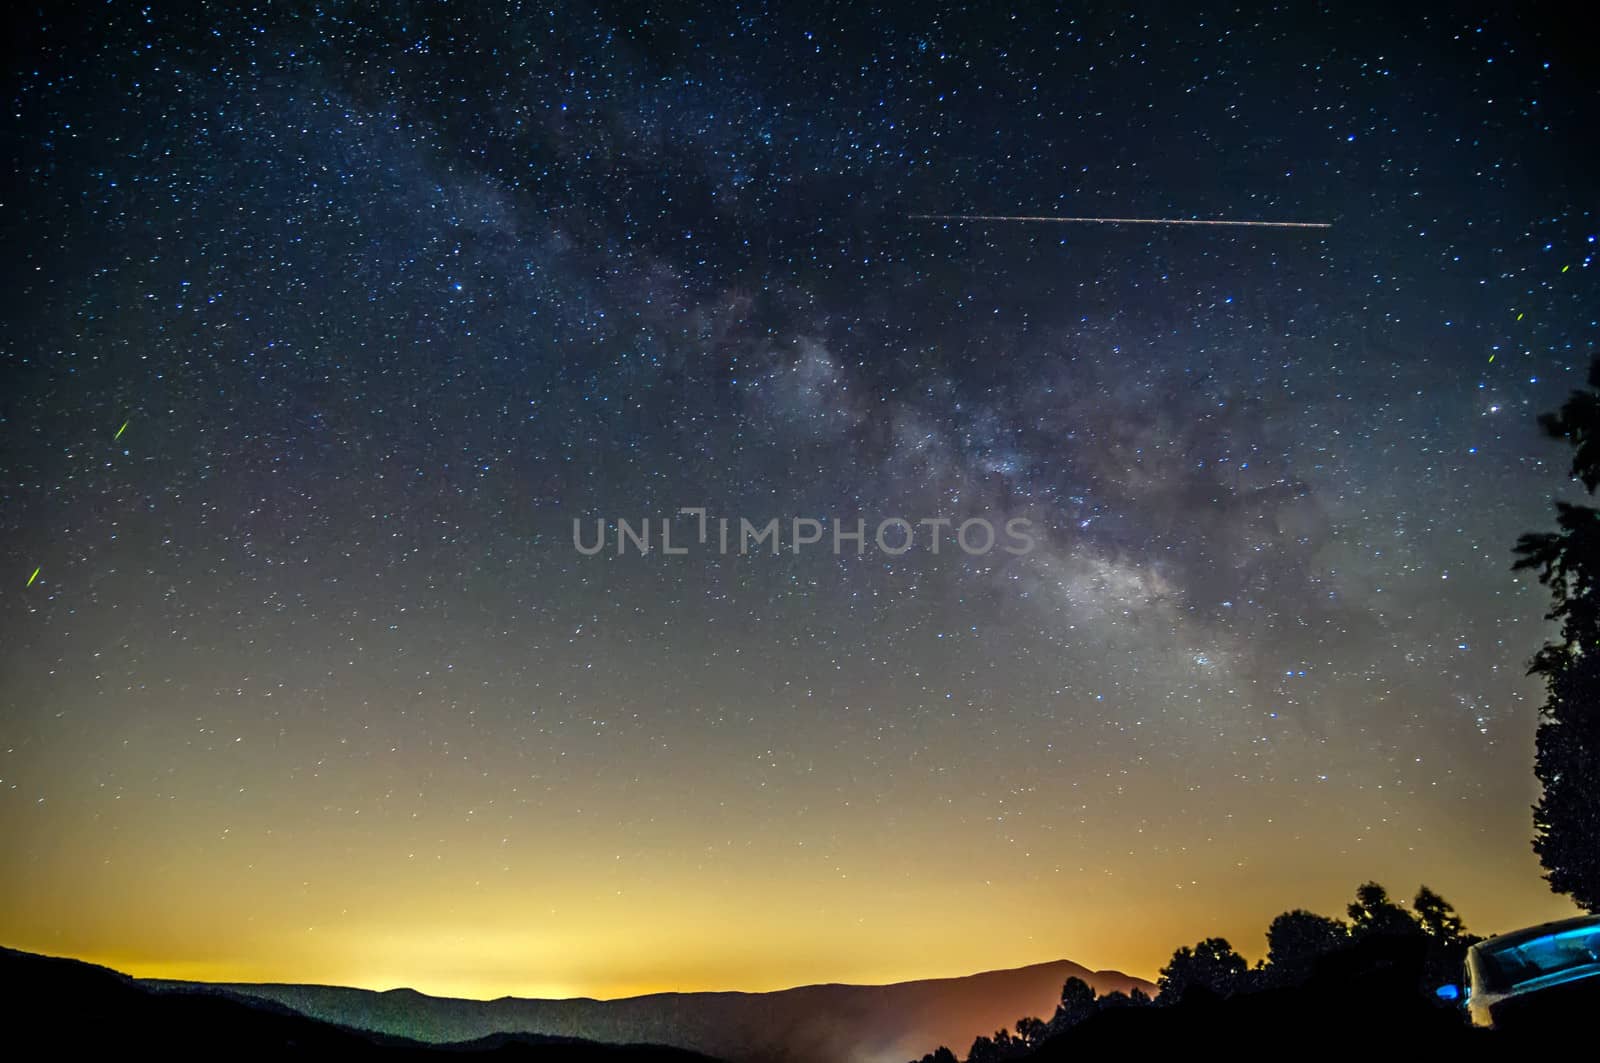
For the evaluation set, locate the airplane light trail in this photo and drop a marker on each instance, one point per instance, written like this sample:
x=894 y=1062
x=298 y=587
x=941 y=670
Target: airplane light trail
x=1125 y=221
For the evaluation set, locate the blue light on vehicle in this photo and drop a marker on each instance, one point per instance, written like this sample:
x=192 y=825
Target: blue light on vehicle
x=1448 y=992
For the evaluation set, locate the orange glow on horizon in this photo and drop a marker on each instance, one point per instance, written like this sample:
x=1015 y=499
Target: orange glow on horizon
x=715 y=903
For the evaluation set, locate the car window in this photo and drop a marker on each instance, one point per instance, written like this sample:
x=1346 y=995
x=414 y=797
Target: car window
x=1522 y=961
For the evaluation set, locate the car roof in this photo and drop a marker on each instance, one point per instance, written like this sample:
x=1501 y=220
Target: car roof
x=1518 y=937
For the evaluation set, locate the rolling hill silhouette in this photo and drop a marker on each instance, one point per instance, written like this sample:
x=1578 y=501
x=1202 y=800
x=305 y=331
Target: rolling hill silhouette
x=59 y=1008
x=809 y=1024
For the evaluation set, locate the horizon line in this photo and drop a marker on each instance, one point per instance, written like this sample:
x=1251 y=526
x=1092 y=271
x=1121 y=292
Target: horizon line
x=125 y=967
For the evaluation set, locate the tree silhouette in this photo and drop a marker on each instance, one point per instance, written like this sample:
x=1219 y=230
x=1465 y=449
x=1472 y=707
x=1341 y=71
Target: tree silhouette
x=1296 y=940
x=1437 y=917
x=1373 y=912
x=1212 y=965
x=1566 y=820
x=939 y=1055
x=997 y=1049
x=1386 y=961
x=1448 y=939
x=1077 y=1004
x=1032 y=1031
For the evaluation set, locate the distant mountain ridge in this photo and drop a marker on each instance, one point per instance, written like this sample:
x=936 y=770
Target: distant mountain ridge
x=61 y=1008
x=829 y=1023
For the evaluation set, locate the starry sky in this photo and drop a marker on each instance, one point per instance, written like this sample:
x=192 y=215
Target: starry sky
x=322 y=325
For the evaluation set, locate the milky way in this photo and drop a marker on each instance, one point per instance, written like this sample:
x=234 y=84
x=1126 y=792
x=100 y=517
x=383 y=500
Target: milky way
x=323 y=327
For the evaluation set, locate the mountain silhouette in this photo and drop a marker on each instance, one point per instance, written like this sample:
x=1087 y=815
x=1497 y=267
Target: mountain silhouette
x=59 y=1008
x=809 y=1024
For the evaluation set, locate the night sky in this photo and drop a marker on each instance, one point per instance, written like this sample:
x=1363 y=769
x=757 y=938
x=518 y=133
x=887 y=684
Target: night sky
x=322 y=325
